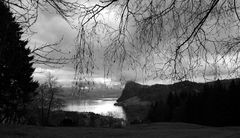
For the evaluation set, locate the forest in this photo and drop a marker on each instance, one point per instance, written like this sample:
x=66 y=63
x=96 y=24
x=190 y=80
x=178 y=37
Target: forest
x=217 y=105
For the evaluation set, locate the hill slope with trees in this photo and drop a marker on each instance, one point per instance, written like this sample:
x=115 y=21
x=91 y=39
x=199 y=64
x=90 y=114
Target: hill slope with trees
x=212 y=103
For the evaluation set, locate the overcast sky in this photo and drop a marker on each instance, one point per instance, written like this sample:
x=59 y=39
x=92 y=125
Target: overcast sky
x=50 y=28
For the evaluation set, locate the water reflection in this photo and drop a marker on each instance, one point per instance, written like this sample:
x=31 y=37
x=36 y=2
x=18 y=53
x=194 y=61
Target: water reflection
x=104 y=106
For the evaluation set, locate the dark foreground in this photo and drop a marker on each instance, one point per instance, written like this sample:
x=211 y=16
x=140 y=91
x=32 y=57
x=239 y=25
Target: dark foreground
x=160 y=130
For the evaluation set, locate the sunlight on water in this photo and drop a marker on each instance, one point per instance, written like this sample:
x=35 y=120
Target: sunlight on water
x=104 y=106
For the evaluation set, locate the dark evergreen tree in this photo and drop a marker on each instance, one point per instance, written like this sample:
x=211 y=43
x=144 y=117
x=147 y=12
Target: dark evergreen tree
x=17 y=87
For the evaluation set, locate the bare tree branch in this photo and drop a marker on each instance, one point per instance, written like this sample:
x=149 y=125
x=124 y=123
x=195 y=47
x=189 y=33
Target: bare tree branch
x=42 y=55
x=174 y=39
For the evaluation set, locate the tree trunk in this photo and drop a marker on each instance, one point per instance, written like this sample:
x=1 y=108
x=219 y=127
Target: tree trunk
x=42 y=106
x=50 y=104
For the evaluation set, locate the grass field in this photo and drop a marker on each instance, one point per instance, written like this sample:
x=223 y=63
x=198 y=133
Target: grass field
x=155 y=130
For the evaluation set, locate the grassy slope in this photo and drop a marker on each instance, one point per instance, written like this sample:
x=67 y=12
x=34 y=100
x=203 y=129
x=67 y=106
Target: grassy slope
x=160 y=130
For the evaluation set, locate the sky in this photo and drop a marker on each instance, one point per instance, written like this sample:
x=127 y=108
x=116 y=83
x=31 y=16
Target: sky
x=51 y=27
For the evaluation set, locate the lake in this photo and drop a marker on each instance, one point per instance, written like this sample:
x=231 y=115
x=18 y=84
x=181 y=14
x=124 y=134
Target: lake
x=103 y=106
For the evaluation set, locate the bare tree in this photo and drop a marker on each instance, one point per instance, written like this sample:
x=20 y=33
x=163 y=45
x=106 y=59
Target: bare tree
x=47 y=99
x=168 y=38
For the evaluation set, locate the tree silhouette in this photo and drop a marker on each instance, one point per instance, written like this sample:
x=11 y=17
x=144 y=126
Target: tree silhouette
x=17 y=87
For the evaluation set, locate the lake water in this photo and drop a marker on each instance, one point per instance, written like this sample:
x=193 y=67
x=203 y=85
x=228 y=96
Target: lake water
x=103 y=106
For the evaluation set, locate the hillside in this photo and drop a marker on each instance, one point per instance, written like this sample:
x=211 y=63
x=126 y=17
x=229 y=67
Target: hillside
x=160 y=92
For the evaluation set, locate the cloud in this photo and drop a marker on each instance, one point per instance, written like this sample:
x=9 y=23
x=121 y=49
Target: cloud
x=64 y=75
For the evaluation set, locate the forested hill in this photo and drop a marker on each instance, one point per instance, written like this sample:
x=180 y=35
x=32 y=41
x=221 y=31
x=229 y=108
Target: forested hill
x=160 y=92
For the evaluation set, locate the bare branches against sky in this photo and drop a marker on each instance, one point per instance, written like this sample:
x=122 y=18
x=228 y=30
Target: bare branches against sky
x=161 y=39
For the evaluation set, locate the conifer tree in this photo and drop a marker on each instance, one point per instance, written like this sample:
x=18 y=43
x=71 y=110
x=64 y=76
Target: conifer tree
x=17 y=87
